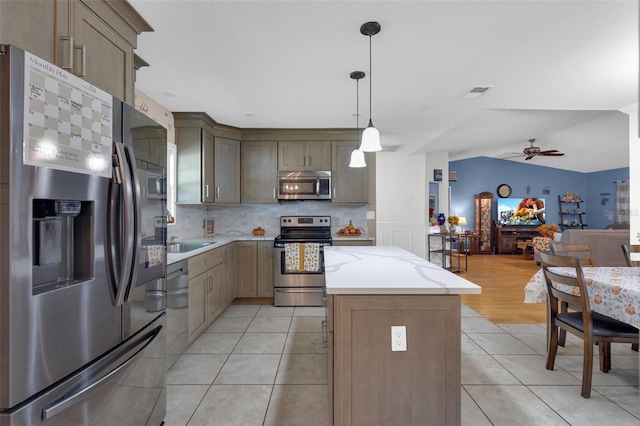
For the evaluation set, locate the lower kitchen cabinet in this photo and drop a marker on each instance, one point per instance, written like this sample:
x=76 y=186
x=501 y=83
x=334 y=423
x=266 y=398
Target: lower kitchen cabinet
x=229 y=289
x=369 y=383
x=198 y=287
x=247 y=269
x=254 y=269
x=214 y=295
x=207 y=279
x=265 y=269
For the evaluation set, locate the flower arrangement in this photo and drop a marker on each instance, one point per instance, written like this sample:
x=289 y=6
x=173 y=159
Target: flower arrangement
x=547 y=230
x=432 y=217
x=453 y=219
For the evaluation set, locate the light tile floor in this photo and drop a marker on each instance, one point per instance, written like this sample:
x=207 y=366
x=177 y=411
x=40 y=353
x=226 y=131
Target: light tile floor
x=262 y=365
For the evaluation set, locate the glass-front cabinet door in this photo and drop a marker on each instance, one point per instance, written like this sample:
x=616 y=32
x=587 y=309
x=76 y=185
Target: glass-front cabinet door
x=484 y=221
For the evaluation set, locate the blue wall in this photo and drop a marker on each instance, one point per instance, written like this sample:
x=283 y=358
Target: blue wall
x=481 y=174
x=602 y=193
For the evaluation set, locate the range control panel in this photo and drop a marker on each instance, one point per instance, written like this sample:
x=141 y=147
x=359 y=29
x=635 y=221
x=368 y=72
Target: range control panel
x=305 y=221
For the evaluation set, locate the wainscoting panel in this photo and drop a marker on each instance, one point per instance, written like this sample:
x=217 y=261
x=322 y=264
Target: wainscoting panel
x=409 y=236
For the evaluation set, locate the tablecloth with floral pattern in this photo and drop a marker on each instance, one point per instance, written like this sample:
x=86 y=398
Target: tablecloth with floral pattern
x=613 y=291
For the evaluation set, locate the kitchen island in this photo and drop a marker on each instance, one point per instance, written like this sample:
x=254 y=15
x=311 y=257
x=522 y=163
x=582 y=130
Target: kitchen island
x=408 y=374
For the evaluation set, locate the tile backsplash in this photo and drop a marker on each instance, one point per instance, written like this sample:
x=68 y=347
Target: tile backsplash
x=242 y=218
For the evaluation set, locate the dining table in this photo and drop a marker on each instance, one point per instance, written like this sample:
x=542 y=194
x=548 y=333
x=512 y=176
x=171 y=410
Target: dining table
x=613 y=291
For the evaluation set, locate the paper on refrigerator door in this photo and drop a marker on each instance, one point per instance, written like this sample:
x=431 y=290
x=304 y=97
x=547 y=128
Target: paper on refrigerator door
x=67 y=121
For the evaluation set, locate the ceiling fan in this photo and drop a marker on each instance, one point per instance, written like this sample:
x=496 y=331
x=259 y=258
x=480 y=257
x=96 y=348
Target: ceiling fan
x=532 y=151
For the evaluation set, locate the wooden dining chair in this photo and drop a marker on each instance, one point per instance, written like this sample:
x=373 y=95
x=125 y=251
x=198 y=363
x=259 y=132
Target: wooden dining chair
x=581 y=251
x=592 y=327
x=627 y=249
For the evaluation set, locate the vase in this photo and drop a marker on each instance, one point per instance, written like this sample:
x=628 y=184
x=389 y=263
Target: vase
x=452 y=229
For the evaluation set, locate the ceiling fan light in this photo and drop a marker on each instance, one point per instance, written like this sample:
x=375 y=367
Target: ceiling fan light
x=357 y=159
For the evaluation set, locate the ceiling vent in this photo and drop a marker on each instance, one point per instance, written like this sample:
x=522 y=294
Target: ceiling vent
x=476 y=91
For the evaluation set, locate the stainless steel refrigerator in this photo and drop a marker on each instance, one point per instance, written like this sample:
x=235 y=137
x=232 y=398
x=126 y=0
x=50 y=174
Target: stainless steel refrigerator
x=82 y=252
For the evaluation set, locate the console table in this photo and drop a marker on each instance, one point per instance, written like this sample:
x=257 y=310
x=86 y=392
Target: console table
x=447 y=250
x=509 y=237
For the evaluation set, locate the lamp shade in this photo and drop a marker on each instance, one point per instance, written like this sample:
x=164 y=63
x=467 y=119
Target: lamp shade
x=462 y=220
x=357 y=159
x=370 y=139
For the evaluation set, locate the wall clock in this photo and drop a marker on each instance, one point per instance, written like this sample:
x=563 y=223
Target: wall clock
x=503 y=190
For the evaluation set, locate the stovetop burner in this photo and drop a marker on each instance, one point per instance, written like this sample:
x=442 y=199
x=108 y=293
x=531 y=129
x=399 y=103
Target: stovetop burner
x=304 y=229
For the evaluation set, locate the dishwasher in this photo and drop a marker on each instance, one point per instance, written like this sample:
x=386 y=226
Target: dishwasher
x=177 y=310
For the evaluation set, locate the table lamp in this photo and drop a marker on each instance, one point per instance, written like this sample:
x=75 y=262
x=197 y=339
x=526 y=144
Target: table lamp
x=462 y=221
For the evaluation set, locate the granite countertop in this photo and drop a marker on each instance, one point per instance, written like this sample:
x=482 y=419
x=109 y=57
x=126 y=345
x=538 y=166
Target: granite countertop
x=388 y=270
x=217 y=241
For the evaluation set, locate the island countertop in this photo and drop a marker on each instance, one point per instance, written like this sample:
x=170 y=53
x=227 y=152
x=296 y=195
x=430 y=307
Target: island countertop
x=388 y=270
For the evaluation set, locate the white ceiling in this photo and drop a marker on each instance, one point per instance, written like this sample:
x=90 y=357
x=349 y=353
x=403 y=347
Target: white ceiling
x=561 y=71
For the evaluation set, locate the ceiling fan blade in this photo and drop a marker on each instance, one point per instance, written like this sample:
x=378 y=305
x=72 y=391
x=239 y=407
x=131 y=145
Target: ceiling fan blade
x=529 y=157
x=548 y=150
x=512 y=156
x=552 y=154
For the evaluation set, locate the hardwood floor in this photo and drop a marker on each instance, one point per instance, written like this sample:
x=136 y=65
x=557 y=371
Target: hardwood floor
x=502 y=278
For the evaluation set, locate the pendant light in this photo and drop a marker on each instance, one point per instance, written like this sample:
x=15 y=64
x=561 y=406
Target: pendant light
x=370 y=136
x=357 y=156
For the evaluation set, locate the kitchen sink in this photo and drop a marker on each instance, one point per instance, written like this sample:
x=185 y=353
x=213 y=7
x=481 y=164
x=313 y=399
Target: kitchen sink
x=186 y=247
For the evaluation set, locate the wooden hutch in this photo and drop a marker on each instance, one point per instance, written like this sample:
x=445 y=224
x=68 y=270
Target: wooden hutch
x=483 y=207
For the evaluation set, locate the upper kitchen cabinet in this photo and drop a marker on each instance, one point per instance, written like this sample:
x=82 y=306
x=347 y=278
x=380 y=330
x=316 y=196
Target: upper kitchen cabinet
x=208 y=168
x=194 y=175
x=94 y=39
x=349 y=184
x=227 y=170
x=150 y=145
x=259 y=172
x=297 y=156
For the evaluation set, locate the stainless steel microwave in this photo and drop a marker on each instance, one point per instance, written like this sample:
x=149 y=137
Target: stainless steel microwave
x=156 y=185
x=313 y=185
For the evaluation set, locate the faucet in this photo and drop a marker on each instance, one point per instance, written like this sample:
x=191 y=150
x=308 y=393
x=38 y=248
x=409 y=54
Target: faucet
x=173 y=240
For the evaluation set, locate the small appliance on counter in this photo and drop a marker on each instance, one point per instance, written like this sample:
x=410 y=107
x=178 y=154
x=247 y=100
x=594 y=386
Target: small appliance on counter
x=299 y=260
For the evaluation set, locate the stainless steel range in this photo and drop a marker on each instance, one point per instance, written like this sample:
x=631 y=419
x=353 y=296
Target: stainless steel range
x=299 y=260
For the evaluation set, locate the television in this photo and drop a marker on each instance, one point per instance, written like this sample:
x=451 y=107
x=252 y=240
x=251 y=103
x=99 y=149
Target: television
x=521 y=211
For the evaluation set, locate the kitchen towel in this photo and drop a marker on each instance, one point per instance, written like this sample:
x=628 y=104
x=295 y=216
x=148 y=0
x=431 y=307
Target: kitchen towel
x=155 y=254
x=302 y=257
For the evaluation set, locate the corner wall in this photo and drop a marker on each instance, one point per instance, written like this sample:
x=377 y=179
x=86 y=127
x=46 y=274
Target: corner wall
x=402 y=188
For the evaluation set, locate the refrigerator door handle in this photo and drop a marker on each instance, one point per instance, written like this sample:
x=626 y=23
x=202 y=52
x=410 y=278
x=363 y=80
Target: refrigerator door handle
x=129 y=239
x=139 y=345
x=136 y=214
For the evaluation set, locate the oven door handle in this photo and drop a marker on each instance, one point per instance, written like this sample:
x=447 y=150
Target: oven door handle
x=300 y=290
